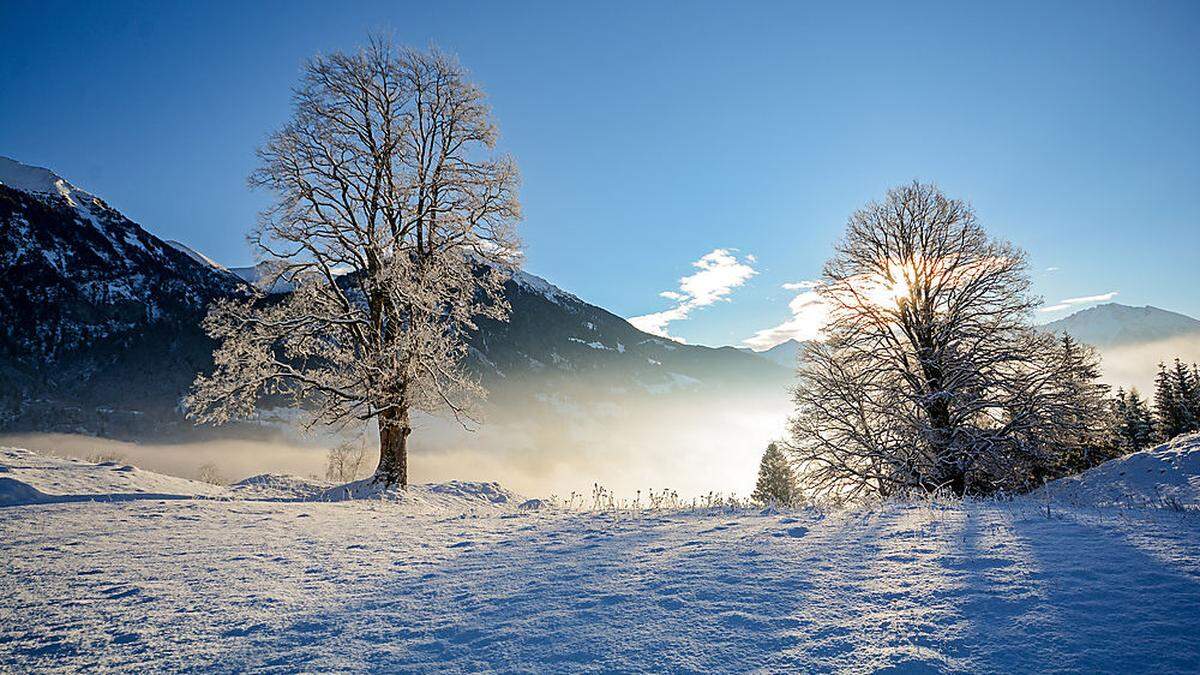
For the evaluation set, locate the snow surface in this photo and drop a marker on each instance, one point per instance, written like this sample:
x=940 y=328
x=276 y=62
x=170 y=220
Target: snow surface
x=377 y=585
x=1167 y=475
x=256 y=275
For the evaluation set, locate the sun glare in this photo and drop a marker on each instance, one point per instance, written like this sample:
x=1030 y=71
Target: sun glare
x=888 y=290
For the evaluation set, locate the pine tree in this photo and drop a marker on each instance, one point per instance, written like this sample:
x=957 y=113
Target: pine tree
x=1176 y=400
x=1187 y=386
x=1165 y=407
x=776 y=480
x=1088 y=428
x=1137 y=424
x=1187 y=397
x=1124 y=429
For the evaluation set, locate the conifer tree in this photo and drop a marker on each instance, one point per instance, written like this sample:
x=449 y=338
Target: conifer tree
x=1087 y=428
x=1187 y=393
x=776 y=480
x=1164 y=405
x=1176 y=400
x=1136 y=422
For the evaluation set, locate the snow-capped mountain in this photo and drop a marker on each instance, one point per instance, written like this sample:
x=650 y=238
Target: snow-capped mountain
x=1116 y=325
x=101 y=326
x=75 y=271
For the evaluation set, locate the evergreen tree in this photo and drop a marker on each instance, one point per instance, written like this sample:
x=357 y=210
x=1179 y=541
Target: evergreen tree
x=1166 y=420
x=776 y=480
x=1187 y=391
x=1136 y=423
x=1176 y=400
x=1087 y=425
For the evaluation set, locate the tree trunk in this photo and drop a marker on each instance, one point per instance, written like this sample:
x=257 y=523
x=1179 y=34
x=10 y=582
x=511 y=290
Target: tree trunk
x=393 y=449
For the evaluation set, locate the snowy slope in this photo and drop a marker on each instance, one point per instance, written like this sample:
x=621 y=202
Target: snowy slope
x=194 y=254
x=785 y=353
x=43 y=182
x=1167 y=475
x=249 y=581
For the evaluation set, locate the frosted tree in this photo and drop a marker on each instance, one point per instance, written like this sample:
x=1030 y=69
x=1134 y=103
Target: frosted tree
x=1136 y=421
x=776 y=480
x=931 y=375
x=395 y=223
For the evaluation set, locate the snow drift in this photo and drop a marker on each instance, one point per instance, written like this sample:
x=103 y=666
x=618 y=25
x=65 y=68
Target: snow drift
x=27 y=477
x=1167 y=475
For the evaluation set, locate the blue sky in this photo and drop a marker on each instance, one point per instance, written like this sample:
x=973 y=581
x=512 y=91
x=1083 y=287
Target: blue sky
x=652 y=134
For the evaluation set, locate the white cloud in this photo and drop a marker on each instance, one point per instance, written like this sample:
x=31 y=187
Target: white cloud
x=809 y=314
x=719 y=273
x=1083 y=300
x=1053 y=269
x=800 y=285
x=1103 y=297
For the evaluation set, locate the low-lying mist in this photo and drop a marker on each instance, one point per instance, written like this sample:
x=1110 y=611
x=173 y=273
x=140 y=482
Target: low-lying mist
x=693 y=444
x=693 y=447
x=1136 y=365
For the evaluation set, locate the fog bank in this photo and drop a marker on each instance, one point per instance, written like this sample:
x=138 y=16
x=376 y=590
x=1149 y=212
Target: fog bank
x=692 y=447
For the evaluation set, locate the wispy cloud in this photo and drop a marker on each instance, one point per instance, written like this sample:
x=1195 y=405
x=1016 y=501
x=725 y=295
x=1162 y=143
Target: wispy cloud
x=1053 y=269
x=1054 y=308
x=1083 y=300
x=809 y=314
x=800 y=285
x=720 y=271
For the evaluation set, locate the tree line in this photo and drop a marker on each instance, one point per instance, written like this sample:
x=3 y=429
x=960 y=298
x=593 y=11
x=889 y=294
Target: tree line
x=1175 y=410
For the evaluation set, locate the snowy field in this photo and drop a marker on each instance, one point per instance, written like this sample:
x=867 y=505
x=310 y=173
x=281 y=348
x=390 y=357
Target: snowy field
x=106 y=572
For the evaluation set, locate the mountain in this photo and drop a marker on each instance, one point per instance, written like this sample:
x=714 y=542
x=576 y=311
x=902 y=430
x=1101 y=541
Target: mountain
x=97 y=312
x=785 y=353
x=74 y=270
x=102 y=327
x=1115 y=325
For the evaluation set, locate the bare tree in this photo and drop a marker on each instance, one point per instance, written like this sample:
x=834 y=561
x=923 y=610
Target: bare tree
x=344 y=461
x=395 y=223
x=209 y=473
x=931 y=376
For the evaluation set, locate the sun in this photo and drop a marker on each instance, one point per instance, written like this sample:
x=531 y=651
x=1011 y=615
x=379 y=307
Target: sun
x=887 y=290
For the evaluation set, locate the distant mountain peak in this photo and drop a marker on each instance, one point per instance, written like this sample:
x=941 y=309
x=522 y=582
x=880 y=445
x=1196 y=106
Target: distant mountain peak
x=1113 y=324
